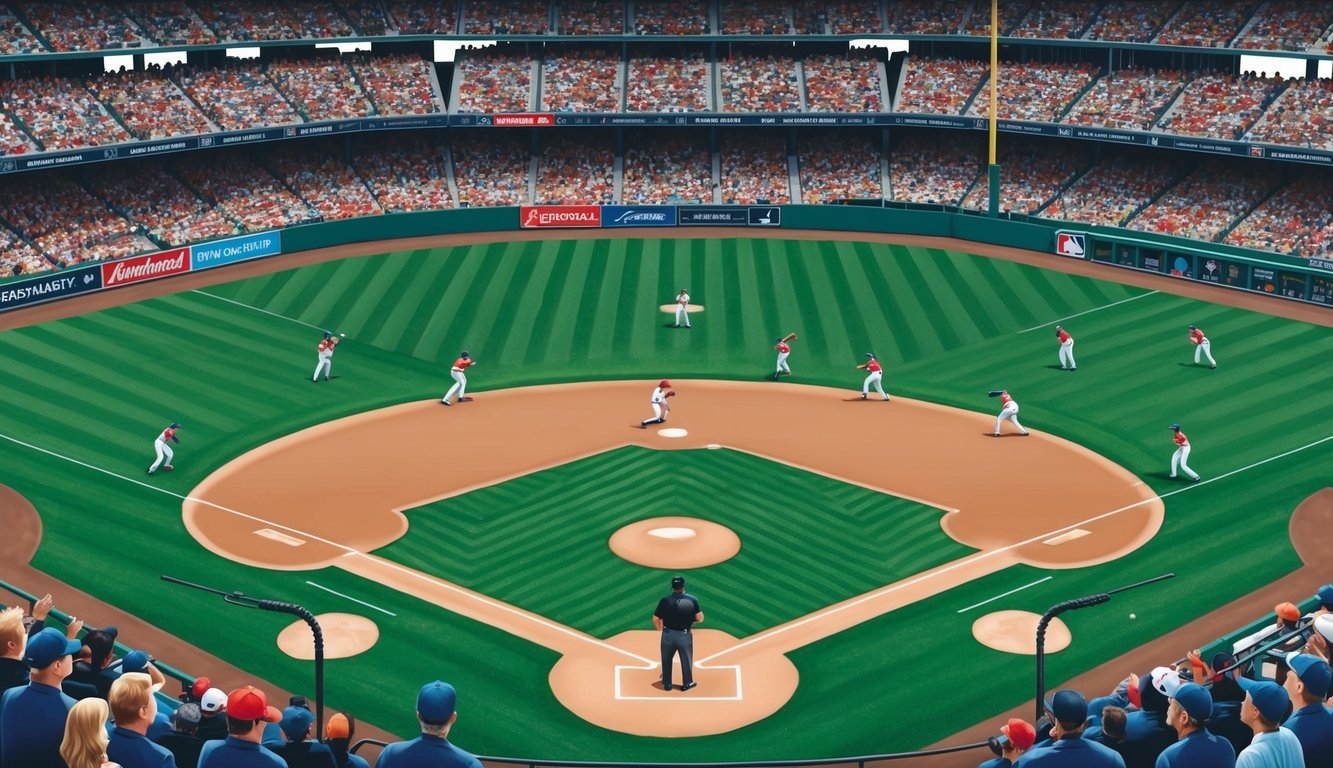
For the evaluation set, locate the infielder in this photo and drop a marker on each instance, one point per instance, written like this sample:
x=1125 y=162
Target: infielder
x=459 y=388
x=1066 y=349
x=1201 y=346
x=875 y=376
x=324 y=352
x=1182 y=455
x=164 y=452
x=682 y=309
x=784 y=350
x=659 y=402
x=1008 y=410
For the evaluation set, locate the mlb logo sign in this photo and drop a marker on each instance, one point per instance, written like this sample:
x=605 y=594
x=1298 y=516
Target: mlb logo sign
x=1072 y=244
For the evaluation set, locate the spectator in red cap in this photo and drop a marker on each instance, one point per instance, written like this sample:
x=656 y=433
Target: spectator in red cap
x=436 y=713
x=247 y=712
x=1018 y=737
x=338 y=733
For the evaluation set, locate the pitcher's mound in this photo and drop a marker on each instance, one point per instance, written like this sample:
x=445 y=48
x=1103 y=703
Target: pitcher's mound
x=670 y=309
x=345 y=634
x=675 y=543
x=1016 y=632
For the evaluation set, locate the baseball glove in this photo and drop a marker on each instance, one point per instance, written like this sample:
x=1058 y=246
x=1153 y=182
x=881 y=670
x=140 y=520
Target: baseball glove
x=995 y=392
x=671 y=393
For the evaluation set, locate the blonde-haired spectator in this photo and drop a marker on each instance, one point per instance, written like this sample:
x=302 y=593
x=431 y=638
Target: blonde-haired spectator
x=13 y=641
x=133 y=708
x=85 y=742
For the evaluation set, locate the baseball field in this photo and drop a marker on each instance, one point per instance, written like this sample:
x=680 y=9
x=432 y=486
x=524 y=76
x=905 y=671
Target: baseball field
x=476 y=538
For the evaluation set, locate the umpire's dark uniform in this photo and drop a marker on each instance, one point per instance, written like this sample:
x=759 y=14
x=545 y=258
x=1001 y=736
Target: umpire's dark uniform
x=675 y=614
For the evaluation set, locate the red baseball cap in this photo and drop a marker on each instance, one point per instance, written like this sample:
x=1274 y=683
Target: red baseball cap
x=1020 y=732
x=250 y=703
x=664 y=383
x=201 y=686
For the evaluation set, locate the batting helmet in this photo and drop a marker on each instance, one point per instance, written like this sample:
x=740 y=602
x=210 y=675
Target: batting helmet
x=664 y=383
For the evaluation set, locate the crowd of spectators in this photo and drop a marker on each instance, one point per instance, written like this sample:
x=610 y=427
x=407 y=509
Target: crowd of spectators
x=1129 y=99
x=150 y=104
x=71 y=25
x=415 y=17
x=925 y=17
x=405 y=172
x=1297 y=221
x=12 y=140
x=1115 y=188
x=1206 y=202
x=576 y=169
x=491 y=168
x=756 y=82
x=1301 y=117
x=399 y=84
x=844 y=83
x=1057 y=19
x=667 y=168
x=840 y=165
x=60 y=113
x=1033 y=173
x=925 y=169
x=590 y=17
x=1133 y=21
x=19 y=258
x=65 y=222
x=315 y=172
x=978 y=21
x=252 y=20
x=581 y=80
x=14 y=37
x=170 y=23
x=1207 y=25
x=323 y=89
x=245 y=192
x=668 y=84
x=754 y=167
x=505 y=17
x=853 y=17
x=148 y=195
x=1221 y=106
x=1034 y=91
x=492 y=80
x=1287 y=26
x=366 y=16
x=939 y=86
x=671 y=17
x=238 y=96
x=755 y=17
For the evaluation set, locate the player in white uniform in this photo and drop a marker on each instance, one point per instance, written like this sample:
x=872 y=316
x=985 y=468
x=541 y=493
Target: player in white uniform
x=876 y=377
x=1066 y=349
x=457 y=373
x=164 y=452
x=324 y=351
x=682 y=309
x=784 y=349
x=1201 y=346
x=659 y=402
x=1182 y=455
x=1009 y=410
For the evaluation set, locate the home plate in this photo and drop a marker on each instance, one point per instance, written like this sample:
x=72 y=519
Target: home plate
x=673 y=432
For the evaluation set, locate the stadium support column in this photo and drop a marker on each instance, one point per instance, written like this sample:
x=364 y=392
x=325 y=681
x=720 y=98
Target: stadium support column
x=993 y=169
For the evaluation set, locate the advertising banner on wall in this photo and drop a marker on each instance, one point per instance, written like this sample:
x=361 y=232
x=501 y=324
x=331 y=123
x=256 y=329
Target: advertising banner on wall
x=638 y=216
x=714 y=216
x=234 y=249
x=558 y=216
x=147 y=267
x=56 y=285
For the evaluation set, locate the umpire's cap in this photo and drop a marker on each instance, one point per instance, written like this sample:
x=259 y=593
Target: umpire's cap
x=677 y=582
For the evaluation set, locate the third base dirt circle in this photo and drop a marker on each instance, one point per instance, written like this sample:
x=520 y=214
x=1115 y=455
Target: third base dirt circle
x=1044 y=501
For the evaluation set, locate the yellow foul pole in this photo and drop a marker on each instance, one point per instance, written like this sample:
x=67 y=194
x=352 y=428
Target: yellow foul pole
x=993 y=170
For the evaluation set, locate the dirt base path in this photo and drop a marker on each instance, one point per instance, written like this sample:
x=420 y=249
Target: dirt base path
x=250 y=511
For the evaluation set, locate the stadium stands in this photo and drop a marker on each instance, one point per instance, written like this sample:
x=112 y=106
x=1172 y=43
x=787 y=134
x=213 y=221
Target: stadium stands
x=839 y=165
x=252 y=20
x=493 y=80
x=1115 y=188
x=1301 y=117
x=68 y=25
x=491 y=168
x=1221 y=106
x=978 y=20
x=237 y=97
x=755 y=17
x=581 y=80
x=1206 y=202
x=671 y=17
x=405 y=172
x=849 y=83
x=923 y=169
x=925 y=17
x=1034 y=172
x=243 y=191
x=1033 y=91
x=421 y=17
x=14 y=36
x=1287 y=26
x=675 y=84
x=66 y=223
x=1297 y=221
x=939 y=86
x=398 y=85
x=667 y=167
x=313 y=171
x=505 y=17
x=1056 y=19
x=754 y=82
x=754 y=167
x=170 y=23
x=1132 y=21
x=1129 y=99
x=590 y=17
x=1206 y=25
x=147 y=193
x=60 y=113
x=576 y=168
x=323 y=90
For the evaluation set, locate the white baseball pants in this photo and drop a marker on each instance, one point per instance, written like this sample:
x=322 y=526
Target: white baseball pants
x=1067 y=354
x=782 y=363
x=1204 y=348
x=325 y=364
x=459 y=388
x=874 y=378
x=1010 y=413
x=164 y=454
x=682 y=316
x=1181 y=459
x=658 y=415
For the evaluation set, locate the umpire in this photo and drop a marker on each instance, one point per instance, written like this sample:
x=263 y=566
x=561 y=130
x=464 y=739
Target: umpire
x=674 y=616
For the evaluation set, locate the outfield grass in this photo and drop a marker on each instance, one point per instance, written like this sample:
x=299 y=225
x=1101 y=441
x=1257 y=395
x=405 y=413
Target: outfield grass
x=98 y=388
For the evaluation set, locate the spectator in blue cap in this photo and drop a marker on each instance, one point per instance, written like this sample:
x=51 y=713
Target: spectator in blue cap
x=1188 y=713
x=1067 y=748
x=1263 y=709
x=435 y=712
x=299 y=751
x=32 y=717
x=1325 y=595
x=1147 y=732
x=1307 y=687
x=1227 y=698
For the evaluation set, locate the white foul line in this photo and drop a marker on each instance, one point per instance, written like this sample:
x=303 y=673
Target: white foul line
x=1006 y=594
x=257 y=309
x=1094 y=309
x=349 y=597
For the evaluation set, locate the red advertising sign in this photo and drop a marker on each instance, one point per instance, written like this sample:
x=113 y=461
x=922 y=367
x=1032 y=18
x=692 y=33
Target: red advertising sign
x=522 y=120
x=542 y=216
x=146 y=267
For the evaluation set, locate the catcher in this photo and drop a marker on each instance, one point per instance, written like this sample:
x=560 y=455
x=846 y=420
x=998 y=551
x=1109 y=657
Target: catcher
x=783 y=351
x=660 y=406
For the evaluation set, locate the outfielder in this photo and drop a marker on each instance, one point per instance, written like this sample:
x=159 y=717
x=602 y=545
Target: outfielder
x=1201 y=346
x=659 y=402
x=1182 y=455
x=324 y=351
x=459 y=388
x=164 y=452
x=682 y=309
x=783 y=351
x=1008 y=410
x=875 y=376
x=1066 y=349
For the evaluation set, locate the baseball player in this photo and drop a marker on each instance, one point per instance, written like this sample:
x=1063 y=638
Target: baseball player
x=784 y=349
x=875 y=376
x=1201 y=346
x=1008 y=410
x=1066 y=349
x=1182 y=455
x=324 y=352
x=659 y=402
x=164 y=452
x=682 y=309
x=459 y=388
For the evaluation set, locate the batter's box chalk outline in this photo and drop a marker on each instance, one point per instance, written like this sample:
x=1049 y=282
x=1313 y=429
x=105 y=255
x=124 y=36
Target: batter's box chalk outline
x=620 y=696
x=280 y=537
